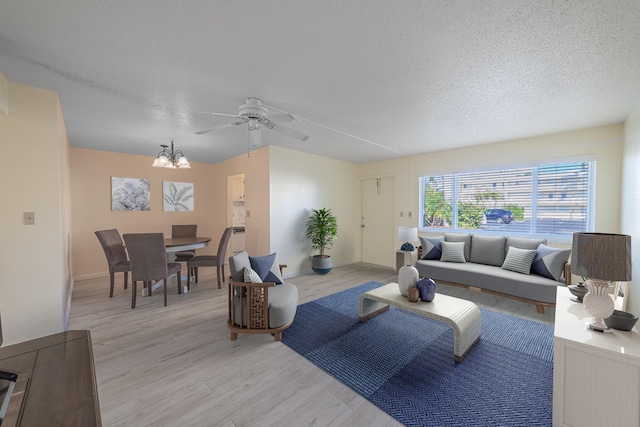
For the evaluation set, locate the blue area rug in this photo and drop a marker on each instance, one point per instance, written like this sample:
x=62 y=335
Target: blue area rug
x=403 y=363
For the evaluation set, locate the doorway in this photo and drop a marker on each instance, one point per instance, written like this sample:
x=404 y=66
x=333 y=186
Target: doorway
x=377 y=220
x=236 y=212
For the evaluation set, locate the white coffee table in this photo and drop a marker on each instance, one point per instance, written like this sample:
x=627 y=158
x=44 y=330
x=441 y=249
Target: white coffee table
x=462 y=315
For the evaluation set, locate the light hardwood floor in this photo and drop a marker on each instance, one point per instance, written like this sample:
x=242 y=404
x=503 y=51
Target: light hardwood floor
x=176 y=366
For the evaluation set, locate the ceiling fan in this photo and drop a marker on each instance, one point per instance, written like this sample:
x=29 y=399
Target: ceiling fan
x=255 y=114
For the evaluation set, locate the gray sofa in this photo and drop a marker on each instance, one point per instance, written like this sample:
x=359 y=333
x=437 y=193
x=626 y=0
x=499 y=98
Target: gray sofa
x=520 y=268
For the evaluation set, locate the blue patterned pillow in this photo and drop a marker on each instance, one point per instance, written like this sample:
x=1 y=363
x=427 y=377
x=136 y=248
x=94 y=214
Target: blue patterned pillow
x=431 y=247
x=267 y=268
x=549 y=262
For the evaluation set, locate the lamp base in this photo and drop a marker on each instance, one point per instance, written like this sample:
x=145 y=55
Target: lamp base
x=598 y=303
x=407 y=247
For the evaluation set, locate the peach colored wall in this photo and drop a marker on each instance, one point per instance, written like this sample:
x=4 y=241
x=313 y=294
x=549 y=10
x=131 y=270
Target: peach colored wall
x=91 y=172
x=35 y=284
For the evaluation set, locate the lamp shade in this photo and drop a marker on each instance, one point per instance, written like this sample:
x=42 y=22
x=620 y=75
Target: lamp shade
x=407 y=234
x=601 y=256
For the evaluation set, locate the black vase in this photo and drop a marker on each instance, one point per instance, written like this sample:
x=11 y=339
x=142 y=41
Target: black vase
x=427 y=289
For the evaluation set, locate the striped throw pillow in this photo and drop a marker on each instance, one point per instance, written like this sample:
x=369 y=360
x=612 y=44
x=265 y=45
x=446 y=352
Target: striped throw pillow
x=251 y=276
x=519 y=260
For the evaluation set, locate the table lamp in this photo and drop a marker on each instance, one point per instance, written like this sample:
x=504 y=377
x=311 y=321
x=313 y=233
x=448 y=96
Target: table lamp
x=602 y=258
x=407 y=235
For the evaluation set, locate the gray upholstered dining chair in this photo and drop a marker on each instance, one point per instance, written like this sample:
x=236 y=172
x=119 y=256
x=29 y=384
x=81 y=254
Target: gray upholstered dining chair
x=210 y=260
x=116 y=255
x=148 y=259
x=186 y=230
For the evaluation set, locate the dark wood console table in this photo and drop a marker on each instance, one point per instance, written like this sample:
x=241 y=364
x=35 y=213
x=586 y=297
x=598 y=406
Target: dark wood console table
x=56 y=383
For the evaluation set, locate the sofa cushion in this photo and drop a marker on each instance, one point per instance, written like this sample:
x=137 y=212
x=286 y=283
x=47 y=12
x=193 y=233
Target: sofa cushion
x=492 y=278
x=549 y=262
x=267 y=268
x=456 y=237
x=452 y=252
x=431 y=248
x=519 y=260
x=524 y=242
x=488 y=250
x=237 y=263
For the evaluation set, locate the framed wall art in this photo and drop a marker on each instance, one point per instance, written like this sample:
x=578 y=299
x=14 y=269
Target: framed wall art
x=130 y=194
x=177 y=196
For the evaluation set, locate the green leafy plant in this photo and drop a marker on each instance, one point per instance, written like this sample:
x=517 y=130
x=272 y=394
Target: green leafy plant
x=437 y=211
x=322 y=229
x=469 y=215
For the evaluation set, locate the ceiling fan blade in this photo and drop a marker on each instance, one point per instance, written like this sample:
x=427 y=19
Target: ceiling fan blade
x=281 y=118
x=255 y=138
x=224 y=126
x=218 y=114
x=290 y=132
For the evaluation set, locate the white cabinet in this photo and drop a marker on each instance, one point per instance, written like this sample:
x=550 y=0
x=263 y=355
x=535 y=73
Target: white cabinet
x=596 y=376
x=237 y=188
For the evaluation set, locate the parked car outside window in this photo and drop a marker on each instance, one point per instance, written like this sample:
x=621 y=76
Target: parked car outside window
x=499 y=215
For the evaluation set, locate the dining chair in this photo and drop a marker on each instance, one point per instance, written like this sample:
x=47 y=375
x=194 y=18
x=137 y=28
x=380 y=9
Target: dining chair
x=210 y=260
x=116 y=256
x=190 y=230
x=148 y=258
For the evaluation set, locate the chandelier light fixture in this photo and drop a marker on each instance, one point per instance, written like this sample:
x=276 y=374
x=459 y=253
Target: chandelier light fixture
x=171 y=159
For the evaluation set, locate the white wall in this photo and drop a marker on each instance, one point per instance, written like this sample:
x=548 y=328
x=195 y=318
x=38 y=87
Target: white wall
x=36 y=283
x=630 y=206
x=603 y=143
x=300 y=182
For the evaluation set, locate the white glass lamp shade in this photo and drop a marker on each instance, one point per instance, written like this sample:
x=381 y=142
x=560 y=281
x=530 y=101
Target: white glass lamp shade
x=407 y=235
x=183 y=163
x=160 y=162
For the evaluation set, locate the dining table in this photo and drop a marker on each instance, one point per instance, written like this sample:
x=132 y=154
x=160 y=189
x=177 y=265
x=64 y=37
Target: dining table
x=175 y=245
x=179 y=244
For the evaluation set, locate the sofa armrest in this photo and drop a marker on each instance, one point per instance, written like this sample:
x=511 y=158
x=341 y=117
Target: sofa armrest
x=254 y=304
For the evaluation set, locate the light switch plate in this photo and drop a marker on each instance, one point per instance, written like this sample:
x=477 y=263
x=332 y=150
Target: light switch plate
x=29 y=218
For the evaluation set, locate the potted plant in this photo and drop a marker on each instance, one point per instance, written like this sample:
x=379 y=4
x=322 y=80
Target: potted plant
x=322 y=230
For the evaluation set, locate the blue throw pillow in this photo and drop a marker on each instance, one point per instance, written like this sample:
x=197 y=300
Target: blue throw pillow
x=549 y=262
x=431 y=247
x=267 y=268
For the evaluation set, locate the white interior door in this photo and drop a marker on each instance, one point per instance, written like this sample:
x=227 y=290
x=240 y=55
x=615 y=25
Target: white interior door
x=377 y=224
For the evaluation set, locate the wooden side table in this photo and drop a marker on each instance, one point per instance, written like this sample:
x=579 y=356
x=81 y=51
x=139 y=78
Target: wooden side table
x=406 y=258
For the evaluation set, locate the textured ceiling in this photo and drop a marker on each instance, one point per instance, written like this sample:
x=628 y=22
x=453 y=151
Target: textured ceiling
x=393 y=77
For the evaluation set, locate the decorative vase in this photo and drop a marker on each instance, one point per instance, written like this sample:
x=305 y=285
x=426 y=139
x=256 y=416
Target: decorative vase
x=598 y=303
x=413 y=294
x=427 y=289
x=407 y=277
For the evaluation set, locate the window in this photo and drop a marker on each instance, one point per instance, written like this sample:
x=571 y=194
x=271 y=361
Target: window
x=552 y=200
